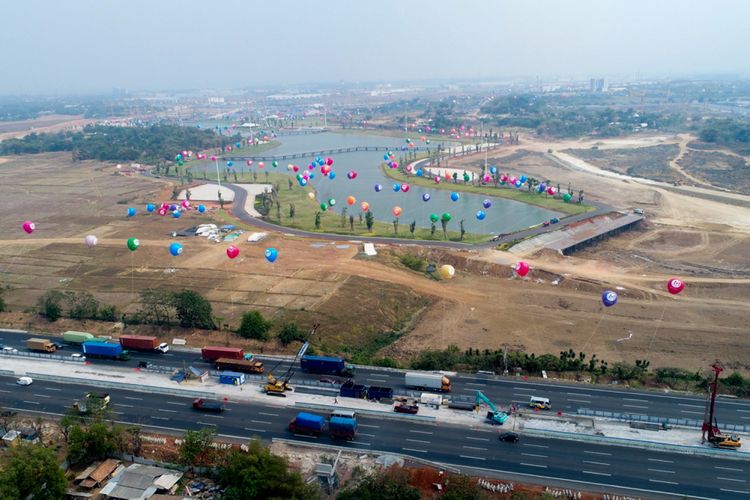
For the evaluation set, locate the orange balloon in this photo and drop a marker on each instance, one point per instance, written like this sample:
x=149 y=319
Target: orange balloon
x=397 y=211
x=351 y=200
x=364 y=206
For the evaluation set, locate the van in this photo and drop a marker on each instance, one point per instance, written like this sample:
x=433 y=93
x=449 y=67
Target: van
x=539 y=403
x=344 y=414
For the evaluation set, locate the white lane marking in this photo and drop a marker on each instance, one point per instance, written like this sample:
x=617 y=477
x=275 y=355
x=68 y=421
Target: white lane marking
x=380 y=380
x=205 y=423
x=593 y=462
x=51 y=389
x=663 y=471
x=159 y=418
x=306 y=436
x=477 y=439
x=474 y=383
x=523 y=395
x=420 y=432
x=580 y=394
x=166 y=411
x=534 y=455
x=597 y=453
x=634 y=406
x=689 y=406
x=175 y=403
x=693 y=412
x=730 y=479
x=268 y=414
x=580 y=400
x=728 y=468
x=734 y=491
x=363 y=434
x=214 y=416
x=412 y=449
x=123 y=405
x=743 y=411
x=474 y=448
x=636 y=400
x=473 y=458
x=261 y=422
x=360 y=443
x=660 y=460
x=370 y=426
x=535 y=445
x=3 y=390
x=132 y=398
x=42 y=395
x=662 y=482
x=417 y=441
x=254 y=430
x=596 y=473
x=533 y=465
x=32 y=402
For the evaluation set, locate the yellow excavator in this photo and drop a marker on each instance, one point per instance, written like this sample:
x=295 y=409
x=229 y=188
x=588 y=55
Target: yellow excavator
x=279 y=386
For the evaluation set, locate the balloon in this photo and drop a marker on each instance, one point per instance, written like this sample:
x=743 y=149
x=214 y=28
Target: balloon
x=397 y=211
x=213 y=158
x=351 y=200
x=467 y=177
x=185 y=204
x=493 y=170
x=567 y=197
x=454 y=196
x=332 y=175
x=312 y=175
x=437 y=179
x=446 y=271
x=675 y=286
x=329 y=161
x=486 y=203
x=550 y=191
x=274 y=164
x=201 y=208
x=522 y=268
x=408 y=141
x=133 y=244
x=427 y=141
x=394 y=164
x=426 y=197
x=434 y=217
x=351 y=175
x=239 y=144
x=271 y=254
x=325 y=169
x=131 y=212
x=230 y=163
x=385 y=156
x=324 y=206
x=523 y=179
x=446 y=217
x=232 y=251
x=486 y=178
x=162 y=211
x=249 y=163
x=295 y=168
x=175 y=249
x=150 y=207
x=261 y=164
x=518 y=183
x=397 y=187
x=331 y=202
x=420 y=173
x=176 y=214
x=364 y=206
x=481 y=215
x=180 y=163
x=405 y=188
x=28 y=226
x=303 y=182
x=91 y=240
x=378 y=188
x=609 y=298
x=173 y=207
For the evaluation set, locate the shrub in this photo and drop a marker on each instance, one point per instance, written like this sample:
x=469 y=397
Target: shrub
x=413 y=262
x=254 y=326
x=289 y=333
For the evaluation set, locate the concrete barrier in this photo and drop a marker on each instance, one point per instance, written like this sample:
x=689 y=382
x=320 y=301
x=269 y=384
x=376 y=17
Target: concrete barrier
x=106 y=384
x=363 y=411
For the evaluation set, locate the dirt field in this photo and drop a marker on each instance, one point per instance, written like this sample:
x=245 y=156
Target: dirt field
x=358 y=301
x=46 y=124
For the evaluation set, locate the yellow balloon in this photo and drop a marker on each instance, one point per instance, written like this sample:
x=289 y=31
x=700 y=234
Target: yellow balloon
x=446 y=272
x=311 y=196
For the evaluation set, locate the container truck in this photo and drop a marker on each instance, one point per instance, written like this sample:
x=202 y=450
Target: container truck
x=72 y=337
x=42 y=345
x=342 y=428
x=326 y=365
x=143 y=343
x=307 y=423
x=201 y=404
x=239 y=365
x=352 y=390
x=105 y=350
x=212 y=353
x=431 y=381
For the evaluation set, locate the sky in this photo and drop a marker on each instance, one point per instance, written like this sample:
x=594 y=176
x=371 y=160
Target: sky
x=81 y=46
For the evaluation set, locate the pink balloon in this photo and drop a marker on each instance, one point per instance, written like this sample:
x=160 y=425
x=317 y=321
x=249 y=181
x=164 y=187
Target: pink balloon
x=28 y=226
x=261 y=164
x=186 y=203
x=213 y=157
x=232 y=251
x=487 y=178
x=249 y=163
x=437 y=179
x=405 y=188
x=394 y=164
x=522 y=268
x=162 y=211
x=329 y=161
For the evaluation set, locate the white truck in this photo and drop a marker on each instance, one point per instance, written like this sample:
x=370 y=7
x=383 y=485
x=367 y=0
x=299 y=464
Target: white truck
x=427 y=381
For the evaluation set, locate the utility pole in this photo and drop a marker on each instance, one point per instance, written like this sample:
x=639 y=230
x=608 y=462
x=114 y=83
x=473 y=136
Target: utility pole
x=505 y=360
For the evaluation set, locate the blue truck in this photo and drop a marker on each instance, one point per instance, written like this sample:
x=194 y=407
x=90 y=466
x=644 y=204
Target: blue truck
x=342 y=428
x=326 y=365
x=307 y=423
x=105 y=350
x=352 y=390
x=377 y=393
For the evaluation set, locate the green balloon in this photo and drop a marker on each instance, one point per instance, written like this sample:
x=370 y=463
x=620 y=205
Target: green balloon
x=567 y=197
x=133 y=244
x=427 y=141
x=446 y=217
x=434 y=217
x=180 y=163
x=331 y=202
x=275 y=164
x=466 y=177
x=323 y=207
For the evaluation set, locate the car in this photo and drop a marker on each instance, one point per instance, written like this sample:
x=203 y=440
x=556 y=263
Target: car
x=554 y=220
x=24 y=381
x=57 y=345
x=638 y=211
x=412 y=409
x=545 y=223
x=508 y=437
x=10 y=350
x=78 y=355
x=145 y=364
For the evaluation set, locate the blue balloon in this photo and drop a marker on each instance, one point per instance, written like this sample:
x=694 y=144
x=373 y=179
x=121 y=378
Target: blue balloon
x=523 y=179
x=378 y=188
x=481 y=215
x=173 y=207
x=454 y=196
x=176 y=214
x=426 y=197
x=175 y=249
x=303 y=182
x=229 y=163
x=397 y=187
x=332 y=175
x=150 y=207
x=271 y=254
x=609 y=298
x=312 y=175
x=518 y=183
x=493 y=170
x=131 y=212
x=239 y=145
x=385 y=157
x=419 y=172
x=486 y=203
x=321 y=163
x=201 y=208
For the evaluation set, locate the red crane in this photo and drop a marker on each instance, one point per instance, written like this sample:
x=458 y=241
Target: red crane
x=710 y=426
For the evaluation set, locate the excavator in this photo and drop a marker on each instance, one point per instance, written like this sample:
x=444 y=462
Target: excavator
x=494 y=416
x=279 y=386
x=710 y=425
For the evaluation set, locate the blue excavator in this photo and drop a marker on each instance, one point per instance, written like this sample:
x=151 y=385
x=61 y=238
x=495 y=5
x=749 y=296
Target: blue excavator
x=494 y=416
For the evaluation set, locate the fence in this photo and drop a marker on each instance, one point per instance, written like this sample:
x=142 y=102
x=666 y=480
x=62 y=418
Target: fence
x=635 y=417
x=40 y=355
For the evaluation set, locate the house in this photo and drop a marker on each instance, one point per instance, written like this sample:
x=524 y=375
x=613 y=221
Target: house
x=141 y=482
x=95 y=475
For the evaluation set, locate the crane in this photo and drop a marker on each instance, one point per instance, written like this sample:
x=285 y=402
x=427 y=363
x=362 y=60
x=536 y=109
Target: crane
x=495 y=416
x=278 y=386
x=710 y=426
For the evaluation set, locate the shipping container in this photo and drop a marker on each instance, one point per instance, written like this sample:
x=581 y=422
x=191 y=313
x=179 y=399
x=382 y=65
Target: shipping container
x=307 y=423
x=77 y=337
x=326 y=365
x=143 y=343
x=212 y=353
x=239 y=365
x=42 y=345
x=432 y=381
x=110 y=350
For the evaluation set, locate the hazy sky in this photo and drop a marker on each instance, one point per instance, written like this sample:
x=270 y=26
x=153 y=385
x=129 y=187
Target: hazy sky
x=81 y=46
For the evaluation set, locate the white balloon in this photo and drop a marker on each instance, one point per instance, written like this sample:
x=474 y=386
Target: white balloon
x=91 y=240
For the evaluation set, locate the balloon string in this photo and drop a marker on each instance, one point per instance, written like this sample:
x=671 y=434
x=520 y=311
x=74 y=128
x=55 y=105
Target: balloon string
x=658 y=325
x=601 y=316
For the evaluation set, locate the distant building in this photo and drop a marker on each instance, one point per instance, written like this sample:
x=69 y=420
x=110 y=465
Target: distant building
x=598 y=85
x=216 y=100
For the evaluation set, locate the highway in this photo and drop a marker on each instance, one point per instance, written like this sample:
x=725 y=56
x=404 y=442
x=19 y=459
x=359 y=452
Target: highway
x=605 y=468
x=568 y=398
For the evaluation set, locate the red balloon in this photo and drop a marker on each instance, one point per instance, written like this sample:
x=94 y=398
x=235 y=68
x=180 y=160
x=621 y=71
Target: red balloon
x=675 y=286
x=232 y=251
x=522 y=268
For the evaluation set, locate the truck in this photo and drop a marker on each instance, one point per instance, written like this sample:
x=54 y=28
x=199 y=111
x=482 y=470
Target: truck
x=326 y=365
x=352 y=390
x=307 y=423
x=72 y=337
x=431 y=381
x=212 y=353
x=201 y=404
x=104 y=350
x=239 y=365
x=377 y=393
x=143 y=343
x=342 y=428
x=92 y=401
x=42 y=345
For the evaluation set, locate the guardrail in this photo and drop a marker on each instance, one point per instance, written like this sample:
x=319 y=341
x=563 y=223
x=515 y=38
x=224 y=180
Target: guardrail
x=635 y=417
x=41 y=355
x=374 y=413
x=8 y=373
x=122 y=385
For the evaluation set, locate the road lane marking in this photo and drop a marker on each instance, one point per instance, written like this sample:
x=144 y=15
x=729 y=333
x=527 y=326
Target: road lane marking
x=51 y=389
x=412 y=449
x=133 y=398
x=474 y=383
x=730 y=479
x=579 y=400
x=368 y=435
x=42 y=395
x=734 y=491
x=473 y=458
x=663 y=471
x=360 y=443
x=662 y=482
x=580 y=394
x=728 y=468
x=597 y=453
x=3 y=390
x=477 y=439
x=32 y=402
x=123 y=405
x=533 y=465
x=261 y=422
x=175 y=403
x=159 y=418
x=205 y=423
x=743 y=411
x=535 y=445
x=660 y=460
x=534 y=455
x=417 y=441
x=370 y=426
x=254 y=430
x=306 y=436
x=214 y=416
x=474 y=448
x=593 y=462
x=634 y=406
x=636 y=400
x=596 y=473
x=268 y=414
x=690 y=406
x=693 y=412
x=166 y=411
x=420 y=432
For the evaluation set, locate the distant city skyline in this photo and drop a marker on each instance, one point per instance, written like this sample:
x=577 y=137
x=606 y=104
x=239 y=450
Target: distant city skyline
x=85 y=46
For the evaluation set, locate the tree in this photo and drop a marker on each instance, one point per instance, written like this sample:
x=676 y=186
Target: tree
x=461 y=488
x=82 y=305
x=259 y=474
x=95 y=442
x=31 y=471
x=193 y=310
x=412 y=227
x=107 y=312
x=157 y=306
x=463 y=231
x=289 y=333
x=444 y=223
x=391 y=484
x=50 y=305
x=292 y=212
x=254 y=326
x=196 y=446
x=317 y=220
x=369 y=220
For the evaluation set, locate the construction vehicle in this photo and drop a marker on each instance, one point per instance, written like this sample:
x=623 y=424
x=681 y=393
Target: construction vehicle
x=92 y=402
x=711 y=432
x=278 y=386
x=494 y=416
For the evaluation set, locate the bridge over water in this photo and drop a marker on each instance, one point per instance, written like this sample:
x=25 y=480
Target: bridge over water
x=321 y=152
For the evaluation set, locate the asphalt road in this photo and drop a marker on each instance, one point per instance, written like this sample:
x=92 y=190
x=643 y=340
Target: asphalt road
x=650 y=473
x=503 y=391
